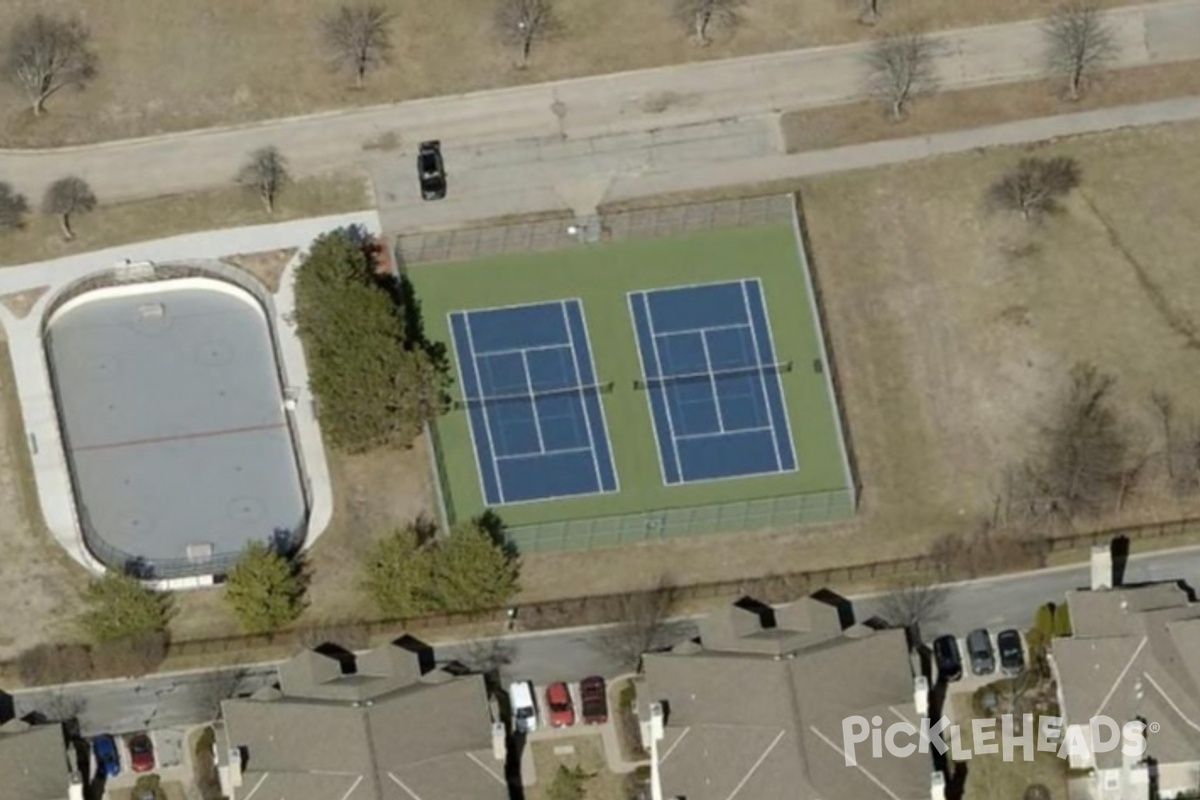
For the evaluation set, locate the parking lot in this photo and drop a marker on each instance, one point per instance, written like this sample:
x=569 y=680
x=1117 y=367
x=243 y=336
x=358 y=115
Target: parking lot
x=972 y=680
x=171 y=763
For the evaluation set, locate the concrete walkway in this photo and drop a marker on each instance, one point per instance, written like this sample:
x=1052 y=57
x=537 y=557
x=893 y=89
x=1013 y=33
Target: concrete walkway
x=579 y=109
x=32 y=378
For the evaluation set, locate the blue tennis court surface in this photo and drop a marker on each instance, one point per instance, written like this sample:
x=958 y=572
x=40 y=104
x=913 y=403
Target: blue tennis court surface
x=713 y=383
x=533 y=402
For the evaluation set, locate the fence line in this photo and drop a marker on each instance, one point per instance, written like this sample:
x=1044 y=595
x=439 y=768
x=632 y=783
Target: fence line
x=608 y=608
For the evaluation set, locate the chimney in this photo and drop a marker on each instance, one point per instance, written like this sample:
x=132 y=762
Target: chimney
x=921 y=695
x=1102 y=567
x=499 y=749
x=937 y=786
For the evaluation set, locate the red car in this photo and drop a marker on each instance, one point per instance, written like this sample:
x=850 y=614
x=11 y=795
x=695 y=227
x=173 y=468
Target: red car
x=141 y=753
x=594 y=700
x=562 y=710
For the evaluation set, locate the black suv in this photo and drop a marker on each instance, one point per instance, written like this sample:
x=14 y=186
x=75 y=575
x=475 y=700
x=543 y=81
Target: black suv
x=947 y=658
x=431 y=171
x=1012 y=653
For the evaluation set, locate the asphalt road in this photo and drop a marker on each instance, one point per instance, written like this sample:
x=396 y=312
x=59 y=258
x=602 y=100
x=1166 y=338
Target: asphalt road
x=581 y=109
x=571 y=654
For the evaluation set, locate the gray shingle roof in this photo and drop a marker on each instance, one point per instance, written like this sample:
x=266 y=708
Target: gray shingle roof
x=751 y=725
x=1134 y=653
x=425 y=738
x=33 y=762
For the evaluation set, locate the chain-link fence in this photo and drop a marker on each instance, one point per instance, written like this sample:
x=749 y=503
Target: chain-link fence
x=741 y=515
x=676 y=220
x=560 y=231
x=465 y=244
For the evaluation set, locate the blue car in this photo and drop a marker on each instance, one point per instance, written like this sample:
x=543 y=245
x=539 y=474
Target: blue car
x=107 y=761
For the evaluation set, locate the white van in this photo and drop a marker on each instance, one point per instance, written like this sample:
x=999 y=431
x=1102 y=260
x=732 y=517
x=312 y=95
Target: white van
x=524 y=712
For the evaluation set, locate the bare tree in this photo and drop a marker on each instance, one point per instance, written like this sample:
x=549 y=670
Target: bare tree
x=46 y=54
x=642 y=628
x=13 y=208
x=357 y=39
x=912 y=605
x=1034 y=186
x=1086 y=463
x=899 y=68
x=1180 y=448
x=65 y=197
x=522 y=23
x=266 y=173
x=1079 y=41
x=704 y=16
x=868 y=11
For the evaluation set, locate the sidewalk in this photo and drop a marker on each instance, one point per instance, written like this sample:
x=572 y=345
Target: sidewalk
x=634 y=101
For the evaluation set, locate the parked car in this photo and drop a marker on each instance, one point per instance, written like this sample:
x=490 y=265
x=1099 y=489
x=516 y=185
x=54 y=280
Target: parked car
x=141 y=753
x=947 y=658
x=524 y=712
x=979 y=649
x=1012 y=652
x=431 y=170
x=562 y=710
x=108 y=762
x=594 y=698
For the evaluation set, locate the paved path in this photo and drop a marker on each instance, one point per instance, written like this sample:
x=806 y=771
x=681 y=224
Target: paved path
x=583 y=108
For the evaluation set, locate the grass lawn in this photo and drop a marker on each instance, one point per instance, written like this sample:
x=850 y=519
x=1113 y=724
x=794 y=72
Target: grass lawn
x=142 y=220
x=167 y=65
x=587 y=752
x=601 y=275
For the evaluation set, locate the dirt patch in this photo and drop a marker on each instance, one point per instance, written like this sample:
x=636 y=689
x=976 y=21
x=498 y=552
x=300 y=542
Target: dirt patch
x=268 y=267
x=992 y=777
x=21 y=303
x=856 y=123
x=142 y=220
x=40 y=593
x=173 y=65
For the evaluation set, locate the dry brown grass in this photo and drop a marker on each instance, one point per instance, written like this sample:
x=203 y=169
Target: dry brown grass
x=40 y=592
x=990 y=777
x=836 y=126
x=141 y=220
x=588 y=755
x=168 y=65
x=267 y=267
x=952 y=330
x=372 y=495
x=21 y=303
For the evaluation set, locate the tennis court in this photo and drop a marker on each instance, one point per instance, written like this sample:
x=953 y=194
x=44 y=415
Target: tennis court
x=712 y=381
x=533 y=402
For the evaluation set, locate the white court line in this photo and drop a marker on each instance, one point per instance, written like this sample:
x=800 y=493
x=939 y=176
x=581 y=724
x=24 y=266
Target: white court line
x=487 y=423
x=458 y=358
x=680 y=331
x=517 y=350
x=612 y=462
x=565 y=450
x=587 y=417
x=533 y=409
x=762 y=375
x=666 y=402
x=712 y=383
x=637 y=345
x=689 y=436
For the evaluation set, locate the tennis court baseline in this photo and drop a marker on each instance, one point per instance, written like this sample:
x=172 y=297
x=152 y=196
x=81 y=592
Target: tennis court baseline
x=712 y=380
x=533 y=402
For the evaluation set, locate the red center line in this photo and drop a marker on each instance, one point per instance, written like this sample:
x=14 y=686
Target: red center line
x=181 y=437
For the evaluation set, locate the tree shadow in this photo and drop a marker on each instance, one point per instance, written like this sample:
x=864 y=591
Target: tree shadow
x=490 y=523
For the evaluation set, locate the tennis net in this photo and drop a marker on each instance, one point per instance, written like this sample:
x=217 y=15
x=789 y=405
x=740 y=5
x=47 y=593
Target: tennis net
x=527 y=397
x=715 y=375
